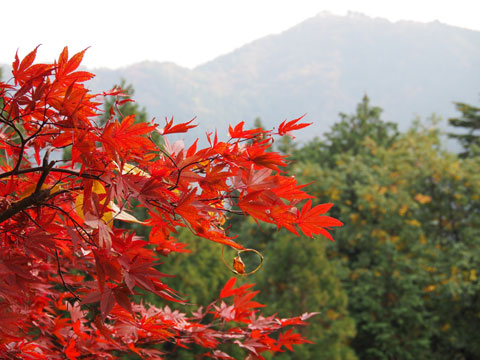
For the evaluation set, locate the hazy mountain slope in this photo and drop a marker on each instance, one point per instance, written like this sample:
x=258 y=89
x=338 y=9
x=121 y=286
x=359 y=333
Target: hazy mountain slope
x=320 y=67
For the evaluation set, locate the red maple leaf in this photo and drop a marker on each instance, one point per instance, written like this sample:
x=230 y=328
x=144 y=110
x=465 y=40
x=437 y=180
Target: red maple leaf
x=312 y=221
x=286 y=128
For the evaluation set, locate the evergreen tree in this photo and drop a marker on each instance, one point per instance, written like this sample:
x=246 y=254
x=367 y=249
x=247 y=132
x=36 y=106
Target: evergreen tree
x=469 y=122
x=202 y=272
x=298 y=276
x=348 y=134
x=409 y=245
x=286 y=145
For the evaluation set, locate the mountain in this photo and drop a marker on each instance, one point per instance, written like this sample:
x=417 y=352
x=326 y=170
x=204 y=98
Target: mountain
x=320 y=67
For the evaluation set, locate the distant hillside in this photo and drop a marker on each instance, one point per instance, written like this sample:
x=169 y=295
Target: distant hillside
x=320 y=67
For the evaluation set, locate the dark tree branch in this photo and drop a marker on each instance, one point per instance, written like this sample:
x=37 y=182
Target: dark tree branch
x=36 y=198
x=41 y=168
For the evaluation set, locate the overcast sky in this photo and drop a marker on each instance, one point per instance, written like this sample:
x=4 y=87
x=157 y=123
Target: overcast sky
x=188 y=32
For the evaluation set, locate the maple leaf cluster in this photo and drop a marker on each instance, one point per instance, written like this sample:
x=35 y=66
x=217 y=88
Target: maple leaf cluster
x=69 y=269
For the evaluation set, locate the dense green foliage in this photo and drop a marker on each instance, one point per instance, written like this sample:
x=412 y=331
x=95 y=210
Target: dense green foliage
x=409 y=245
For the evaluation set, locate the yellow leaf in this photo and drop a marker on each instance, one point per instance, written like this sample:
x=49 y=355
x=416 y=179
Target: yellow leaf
x=121 y=214
x=368 y=197
x=423 y=239
x=132 y=169
x=403 y=210
x=114 y=213
x=429 y=288
x=334 y=194
x=413 y=222
x=98 y=189
x=423 y=199
x=473 y=275
x=332 y=314
x=31 y=188
x=354 y=217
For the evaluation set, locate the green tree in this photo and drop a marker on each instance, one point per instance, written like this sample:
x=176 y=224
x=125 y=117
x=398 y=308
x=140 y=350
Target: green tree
x=286 y=145
x=298 y=276
x=469 y=121
x=201 y=273
x=409 y=245
x=348 y=134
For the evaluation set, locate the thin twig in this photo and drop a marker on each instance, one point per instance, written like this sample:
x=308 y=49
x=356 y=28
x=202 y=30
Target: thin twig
x=75 y=223
x=65 y=285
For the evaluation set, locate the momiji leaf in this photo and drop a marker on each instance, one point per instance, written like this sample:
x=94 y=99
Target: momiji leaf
x=106 y=302
x=62 y=59
x=71 y=352
x=122 y=299
x=130 y=281
x=26 y=62
x=239 y=133
x=74 y=61
x=288 y=339
x=100 y=271
x=127 y=135
x=311 y=221
x=271 y=160
x=179 y=128
x=91 y=298
x=228 y=290
x=286 y=127
x=80 y=76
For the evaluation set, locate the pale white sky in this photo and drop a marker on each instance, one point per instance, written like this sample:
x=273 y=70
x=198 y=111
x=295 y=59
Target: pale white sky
x=187 y=32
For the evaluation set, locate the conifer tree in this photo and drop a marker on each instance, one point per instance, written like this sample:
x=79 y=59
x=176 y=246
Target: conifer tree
x=469 y=122
x=410 y=246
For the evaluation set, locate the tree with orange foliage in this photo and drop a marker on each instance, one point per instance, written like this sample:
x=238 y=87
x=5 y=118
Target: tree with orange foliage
x=68 y=271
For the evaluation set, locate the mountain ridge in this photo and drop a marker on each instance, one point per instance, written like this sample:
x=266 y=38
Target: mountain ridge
x=321 y=66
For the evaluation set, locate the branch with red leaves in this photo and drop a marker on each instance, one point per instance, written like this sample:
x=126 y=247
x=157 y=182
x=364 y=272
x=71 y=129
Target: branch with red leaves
x=68 y=269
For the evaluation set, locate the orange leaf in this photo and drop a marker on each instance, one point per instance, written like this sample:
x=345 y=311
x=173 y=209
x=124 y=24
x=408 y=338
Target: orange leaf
x=238 y=265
